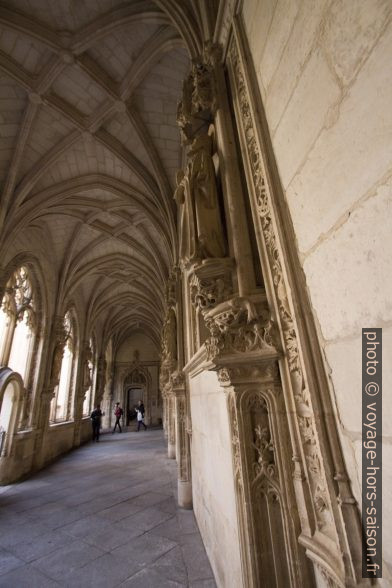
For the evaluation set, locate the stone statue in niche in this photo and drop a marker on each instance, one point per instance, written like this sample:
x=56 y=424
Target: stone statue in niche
x=201 y=231
x=169 y=338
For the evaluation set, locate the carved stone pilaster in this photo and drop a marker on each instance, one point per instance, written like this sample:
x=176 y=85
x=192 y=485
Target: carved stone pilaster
x=171 y=425
x=182 y=441
x=101 y=379
x=261 y=458
x=46 y=397
x=85 y=383
x=60 y=336
x=329 y=530
x=164 y=415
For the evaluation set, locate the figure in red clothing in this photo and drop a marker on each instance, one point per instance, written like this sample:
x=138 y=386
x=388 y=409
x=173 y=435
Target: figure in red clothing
x=118 y=412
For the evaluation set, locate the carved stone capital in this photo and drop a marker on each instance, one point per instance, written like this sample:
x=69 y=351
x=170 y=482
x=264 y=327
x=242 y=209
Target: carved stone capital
x=47 y=395
x=177 y=382
x=212 y=53
x=210 y=283
x=241 y=325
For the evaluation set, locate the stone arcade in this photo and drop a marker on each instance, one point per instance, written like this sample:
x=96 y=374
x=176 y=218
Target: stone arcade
x=194 y=212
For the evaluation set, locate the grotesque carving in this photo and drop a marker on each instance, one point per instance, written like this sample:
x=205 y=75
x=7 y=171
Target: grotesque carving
x=207 y=293
x=237 y=326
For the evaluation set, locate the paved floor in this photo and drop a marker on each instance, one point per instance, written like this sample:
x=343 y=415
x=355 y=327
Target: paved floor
x=105 y=515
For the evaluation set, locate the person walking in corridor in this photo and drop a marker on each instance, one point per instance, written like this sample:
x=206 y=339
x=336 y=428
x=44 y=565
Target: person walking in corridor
x=140 y=415
x=118 y=412
x=96 y=417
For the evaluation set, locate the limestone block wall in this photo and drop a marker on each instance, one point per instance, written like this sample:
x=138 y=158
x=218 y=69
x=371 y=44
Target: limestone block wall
x=212 y=478
x=324 y=75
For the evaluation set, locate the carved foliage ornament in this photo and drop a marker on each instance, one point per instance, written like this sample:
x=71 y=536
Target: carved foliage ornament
x=18 y=300
x=169 y=337
x=264 y=459
x=198 y=101
x=208 y=292
x=235 y=441
x=301 y=393
x=239 y=328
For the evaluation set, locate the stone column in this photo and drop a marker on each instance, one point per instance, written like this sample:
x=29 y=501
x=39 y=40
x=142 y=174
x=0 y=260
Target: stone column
x=182 y=442
x=46 y=397
x=59 y=337
x=171 y=426
x=101 y=379
x=84 y=381
x=164 y=415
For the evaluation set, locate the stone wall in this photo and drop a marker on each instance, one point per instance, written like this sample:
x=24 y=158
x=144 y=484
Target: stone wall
x=324 y=76
x=212 y=478
x=137 y=342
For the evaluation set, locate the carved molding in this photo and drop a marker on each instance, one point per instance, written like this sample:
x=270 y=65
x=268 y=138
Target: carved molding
x=316 y=499
x=306 y=423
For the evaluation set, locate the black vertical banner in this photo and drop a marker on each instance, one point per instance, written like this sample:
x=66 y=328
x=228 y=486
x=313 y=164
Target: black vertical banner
x=372 y=453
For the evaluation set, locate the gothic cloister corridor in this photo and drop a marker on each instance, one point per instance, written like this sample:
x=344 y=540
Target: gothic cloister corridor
x=105 y=515
x=195 y=218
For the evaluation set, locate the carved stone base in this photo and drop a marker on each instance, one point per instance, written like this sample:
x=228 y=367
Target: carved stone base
x=171 y=450
x=185 y=499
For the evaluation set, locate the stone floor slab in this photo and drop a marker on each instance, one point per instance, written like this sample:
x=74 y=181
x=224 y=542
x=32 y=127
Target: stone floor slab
x=28 y=551
x=148 y=578
x=8 y=562
x=27 y=577
x=103 y=516
x=67 y=559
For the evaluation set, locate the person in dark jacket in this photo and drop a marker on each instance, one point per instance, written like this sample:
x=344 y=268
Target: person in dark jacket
x=96 y=417
x=140 y=415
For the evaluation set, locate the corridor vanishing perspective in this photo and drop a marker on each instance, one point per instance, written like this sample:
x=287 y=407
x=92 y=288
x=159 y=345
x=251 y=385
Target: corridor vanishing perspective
x=195 y=217
x=104 y=516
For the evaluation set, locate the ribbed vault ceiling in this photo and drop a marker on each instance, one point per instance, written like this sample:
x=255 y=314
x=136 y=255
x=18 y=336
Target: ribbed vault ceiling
x=89 y=147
